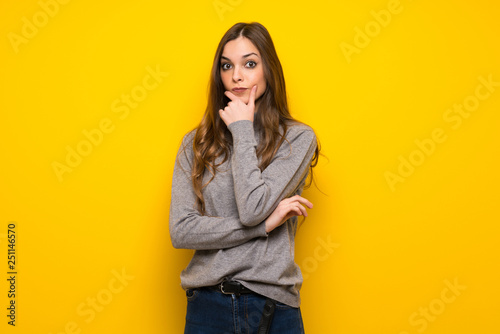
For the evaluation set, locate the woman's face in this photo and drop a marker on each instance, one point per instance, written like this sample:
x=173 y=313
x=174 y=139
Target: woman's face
x=241 y=67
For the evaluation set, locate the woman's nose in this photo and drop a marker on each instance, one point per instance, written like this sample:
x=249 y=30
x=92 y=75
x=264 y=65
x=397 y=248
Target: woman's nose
x=237 y=75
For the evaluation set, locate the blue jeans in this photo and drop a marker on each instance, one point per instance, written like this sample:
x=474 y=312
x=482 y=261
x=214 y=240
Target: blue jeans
x=212 y=312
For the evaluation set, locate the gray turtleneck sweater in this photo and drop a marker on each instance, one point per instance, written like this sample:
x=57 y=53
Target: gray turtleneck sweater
x=230 y=240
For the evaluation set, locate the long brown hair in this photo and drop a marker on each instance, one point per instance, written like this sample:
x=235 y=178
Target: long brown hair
x=213 y=139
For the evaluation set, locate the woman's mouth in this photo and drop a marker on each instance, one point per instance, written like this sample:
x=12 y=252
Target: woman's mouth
x=239 y=89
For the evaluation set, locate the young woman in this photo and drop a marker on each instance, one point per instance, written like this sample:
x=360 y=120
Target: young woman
x=236 y=189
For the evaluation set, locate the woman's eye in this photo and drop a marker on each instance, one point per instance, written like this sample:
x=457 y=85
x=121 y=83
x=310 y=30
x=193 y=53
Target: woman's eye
x=226 y=66
x=251 y=64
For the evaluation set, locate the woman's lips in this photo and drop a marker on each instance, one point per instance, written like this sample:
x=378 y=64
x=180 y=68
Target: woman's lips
x=239 y=89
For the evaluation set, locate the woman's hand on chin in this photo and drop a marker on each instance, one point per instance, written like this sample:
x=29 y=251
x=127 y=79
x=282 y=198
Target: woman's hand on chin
x=236 y=109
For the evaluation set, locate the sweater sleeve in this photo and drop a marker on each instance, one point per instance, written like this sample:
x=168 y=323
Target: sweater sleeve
x=259 y=193
x=189 y=229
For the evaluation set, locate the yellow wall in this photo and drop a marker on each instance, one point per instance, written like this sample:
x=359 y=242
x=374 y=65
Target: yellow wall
x=404 y=239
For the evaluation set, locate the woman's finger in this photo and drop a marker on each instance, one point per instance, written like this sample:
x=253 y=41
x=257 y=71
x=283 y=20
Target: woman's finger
x=251 y=100
x=302 y=209
x=295 y=209
x=303 y=201
x=231 y=96
x=300 y=199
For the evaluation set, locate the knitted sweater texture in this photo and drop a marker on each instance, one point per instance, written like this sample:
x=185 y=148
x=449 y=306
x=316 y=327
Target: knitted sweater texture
x=230 y=241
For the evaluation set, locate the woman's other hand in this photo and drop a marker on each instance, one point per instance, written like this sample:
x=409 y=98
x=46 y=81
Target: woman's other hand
x=286 y=209
x=236 y=109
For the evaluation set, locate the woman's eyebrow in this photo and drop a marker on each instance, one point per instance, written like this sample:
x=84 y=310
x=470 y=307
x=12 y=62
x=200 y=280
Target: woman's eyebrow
x=244 y=56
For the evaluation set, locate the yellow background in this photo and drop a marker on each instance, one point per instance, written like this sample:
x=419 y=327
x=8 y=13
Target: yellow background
x=374 y=256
